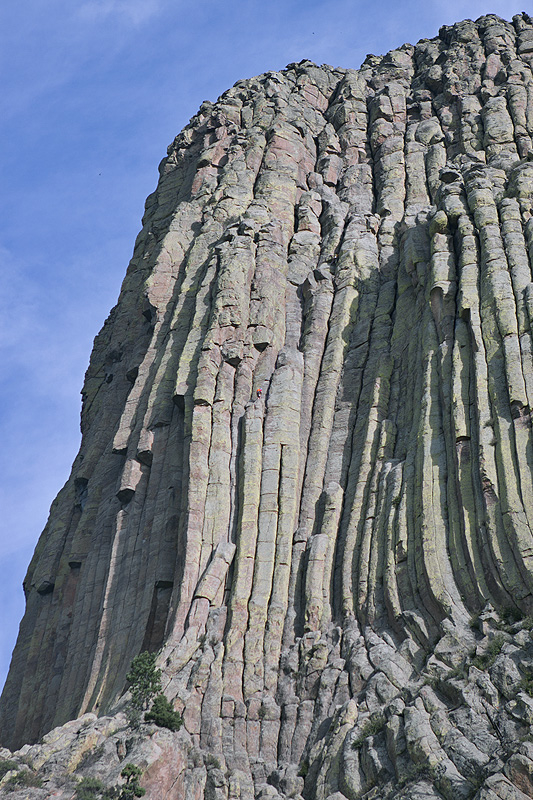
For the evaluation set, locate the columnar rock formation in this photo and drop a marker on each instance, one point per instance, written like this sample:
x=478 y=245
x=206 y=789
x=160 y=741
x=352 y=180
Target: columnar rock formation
x=307 y=450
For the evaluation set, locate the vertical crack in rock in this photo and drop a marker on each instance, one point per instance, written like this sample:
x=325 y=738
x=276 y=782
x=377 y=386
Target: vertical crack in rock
x=305 y=479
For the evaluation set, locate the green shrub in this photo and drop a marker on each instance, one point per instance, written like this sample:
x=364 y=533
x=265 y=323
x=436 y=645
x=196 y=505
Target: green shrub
x=526 y=684
x=371 y=727
x=93 y=789
x=212 y=761
x=510 y=615
x=416 y=772
x=163 y=714
x=89 y=789
x=23 y=778
x=421 y=771
x=460 y=671
x=131 y=789
x=490 y=655
x=476 y=783
x=144 y=679
x=304 y=769
x=474 y=620
x=6 y=765
x=134 y=715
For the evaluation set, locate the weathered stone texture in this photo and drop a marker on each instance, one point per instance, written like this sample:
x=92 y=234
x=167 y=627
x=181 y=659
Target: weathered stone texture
x=307 y=448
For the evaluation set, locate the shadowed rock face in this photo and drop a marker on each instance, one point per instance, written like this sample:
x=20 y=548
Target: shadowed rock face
x=307 y=453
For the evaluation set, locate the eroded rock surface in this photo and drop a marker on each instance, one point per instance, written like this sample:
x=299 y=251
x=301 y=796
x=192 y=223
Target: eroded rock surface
x=306 y=468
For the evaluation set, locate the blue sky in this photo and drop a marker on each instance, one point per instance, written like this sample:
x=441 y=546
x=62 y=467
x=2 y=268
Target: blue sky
x=91 y=94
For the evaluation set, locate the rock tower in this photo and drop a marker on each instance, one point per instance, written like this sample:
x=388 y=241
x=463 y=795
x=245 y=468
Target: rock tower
x=305 y=478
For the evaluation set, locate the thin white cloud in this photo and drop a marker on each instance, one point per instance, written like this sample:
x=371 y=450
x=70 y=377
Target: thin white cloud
x=135 y=12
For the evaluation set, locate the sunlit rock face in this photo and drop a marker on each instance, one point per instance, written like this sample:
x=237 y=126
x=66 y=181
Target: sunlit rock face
x=307 y=453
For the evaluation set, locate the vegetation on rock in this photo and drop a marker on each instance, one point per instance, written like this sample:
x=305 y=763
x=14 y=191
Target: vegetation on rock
x=7 y=765
x=371 y=727
x=24 y=778
x=163 y=714
x=144 y=679
x=492 y=651
x=90 y=789
x=93 y=788
x=132 y=774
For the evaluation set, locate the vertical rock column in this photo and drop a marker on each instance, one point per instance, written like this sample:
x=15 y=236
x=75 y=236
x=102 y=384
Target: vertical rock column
x=306 y=457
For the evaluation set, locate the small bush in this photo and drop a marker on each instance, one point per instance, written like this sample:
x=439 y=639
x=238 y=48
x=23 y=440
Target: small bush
x=526 y=684
x=490 y=655
x=163 y=714
x=422 y=771
x=89 y=789
x=132 y=789
x=371 y=727
x=304 y=769
x=416 y=772
x=476 y=783
x=474 y=621
x=510 y=615
x=134 y=715
x=460 y=672
x=527 y=623
x=212 y=761
x=6 y=765
x=93 y=789
x=24 y=778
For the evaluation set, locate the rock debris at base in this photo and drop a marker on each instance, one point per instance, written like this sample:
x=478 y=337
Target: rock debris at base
x=306 y=477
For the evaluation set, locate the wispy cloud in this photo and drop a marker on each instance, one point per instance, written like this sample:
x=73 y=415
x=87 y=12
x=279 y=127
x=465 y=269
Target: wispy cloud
x=133 y=11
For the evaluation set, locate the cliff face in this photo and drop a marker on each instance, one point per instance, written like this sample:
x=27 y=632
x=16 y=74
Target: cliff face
x=307 y=450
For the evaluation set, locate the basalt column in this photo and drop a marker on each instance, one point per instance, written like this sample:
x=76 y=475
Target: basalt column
x=307 y=449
